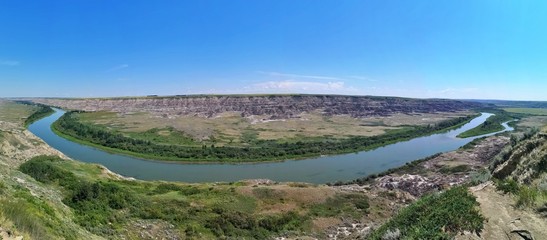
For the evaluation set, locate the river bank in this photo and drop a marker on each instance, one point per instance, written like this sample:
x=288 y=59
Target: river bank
x=70 y=126
x=316 y=170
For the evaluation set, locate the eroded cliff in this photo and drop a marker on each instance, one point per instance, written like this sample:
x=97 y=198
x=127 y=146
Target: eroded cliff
x=276 y=106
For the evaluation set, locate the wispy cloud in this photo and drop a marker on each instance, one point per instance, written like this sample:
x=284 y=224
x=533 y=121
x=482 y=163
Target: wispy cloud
x=10 y=63
x=117 y=68
x=317 y=77
x=458 y=90
x=363 y=78
x=292 y=86
x=299 y=76
x=278 y=82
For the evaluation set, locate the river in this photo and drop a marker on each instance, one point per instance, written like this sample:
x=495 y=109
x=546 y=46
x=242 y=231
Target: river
x=314 y=170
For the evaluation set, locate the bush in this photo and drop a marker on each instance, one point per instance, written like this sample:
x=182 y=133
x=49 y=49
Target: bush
x=237 y=224
x=2 y=187
x=527 y=196
x=479 y=177
x=43 y=111
x=436 y=216
x=507 y=186
x=42 y=169
x=348 y=204
x=455 y=169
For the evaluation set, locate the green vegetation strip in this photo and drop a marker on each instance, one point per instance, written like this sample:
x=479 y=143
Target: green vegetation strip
x=492 y=124
x=70 y=127
x=41 y=112
x=530 y=111
x=436 y=216
x=108 y=207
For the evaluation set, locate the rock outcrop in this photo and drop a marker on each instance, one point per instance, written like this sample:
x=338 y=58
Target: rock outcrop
x=276 y=106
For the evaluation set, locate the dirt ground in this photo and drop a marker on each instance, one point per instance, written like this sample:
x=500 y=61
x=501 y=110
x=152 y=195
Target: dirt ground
x=503 y=218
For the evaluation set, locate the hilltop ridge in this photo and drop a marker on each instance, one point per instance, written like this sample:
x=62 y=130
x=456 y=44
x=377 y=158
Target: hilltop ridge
x=277 y=106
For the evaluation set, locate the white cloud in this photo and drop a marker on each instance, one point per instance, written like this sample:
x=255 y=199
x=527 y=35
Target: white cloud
x=458 y=90
x=277 y=82
x=119 y=67
x=364 y=78
x=298 y=76
x=292 y=86
x=10 y=63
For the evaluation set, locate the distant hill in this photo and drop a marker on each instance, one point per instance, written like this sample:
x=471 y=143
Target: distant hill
x=513 y=104
x=276 y=106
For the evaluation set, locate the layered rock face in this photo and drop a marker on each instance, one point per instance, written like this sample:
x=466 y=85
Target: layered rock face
x=276 y=106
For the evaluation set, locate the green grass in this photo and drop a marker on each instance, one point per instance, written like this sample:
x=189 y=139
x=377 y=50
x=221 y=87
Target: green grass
x=530 y=111
x=527 y=196
x=455 y=169
x=436 y=216
x=106 y=207
x=40 y=111
x=353 y=205
x=33 y=216
x=167 y=135
x=507 y=185
x=23 y=215
x=491 y=125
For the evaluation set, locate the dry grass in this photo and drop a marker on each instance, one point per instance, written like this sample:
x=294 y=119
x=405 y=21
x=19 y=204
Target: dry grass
x=535 y=121
x=14 y=112
x=230 y=127
x=284 y=198
x=417 y=119
x=323 y=223
x=532 y=111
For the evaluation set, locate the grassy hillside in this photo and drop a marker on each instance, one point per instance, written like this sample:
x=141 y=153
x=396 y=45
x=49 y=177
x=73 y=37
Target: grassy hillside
x=521 y=169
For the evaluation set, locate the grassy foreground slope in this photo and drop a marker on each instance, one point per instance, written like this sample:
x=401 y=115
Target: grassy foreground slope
x=110 y=207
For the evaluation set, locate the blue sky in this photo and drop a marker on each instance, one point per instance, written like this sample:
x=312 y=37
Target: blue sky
x=449 y=49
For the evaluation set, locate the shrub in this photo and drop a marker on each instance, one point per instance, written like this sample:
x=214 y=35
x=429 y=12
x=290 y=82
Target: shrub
x=2 y=187
x=455 y=169
x=436 y=216
x=42 y=169
x=527 y=196
x=348 y=204
x=507 y=186
x=479 y=177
